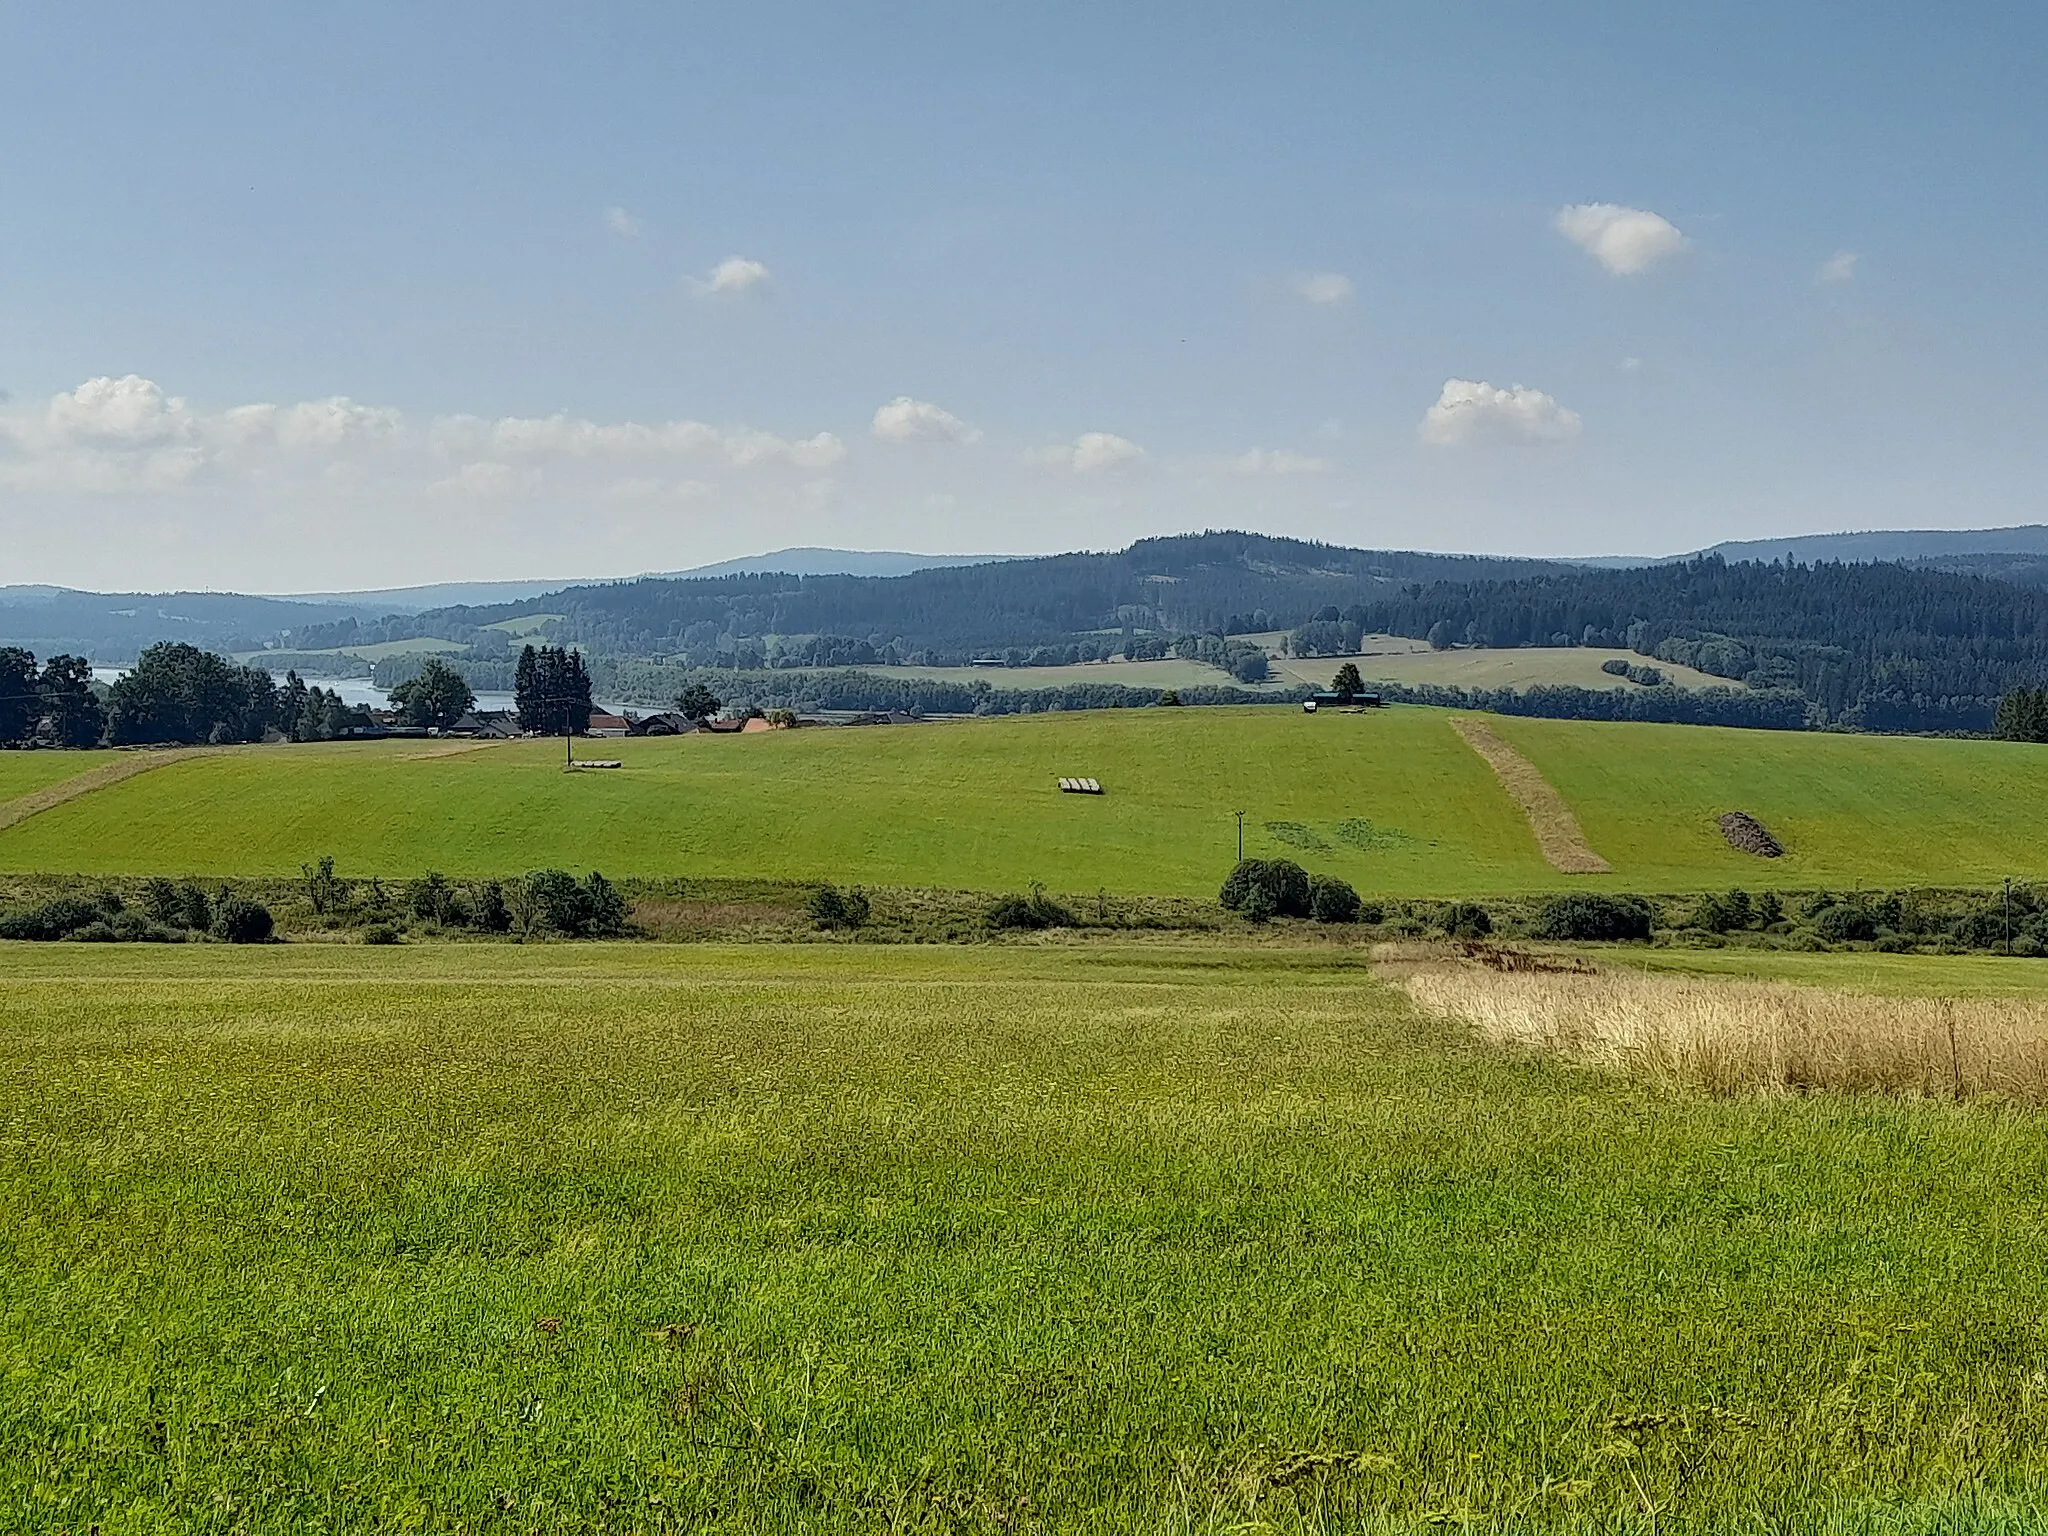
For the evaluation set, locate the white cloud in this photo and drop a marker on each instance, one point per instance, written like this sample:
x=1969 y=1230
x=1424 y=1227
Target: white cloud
x=326 y=423
x=1838 y=268
x=1623 y=240
x=127 y=410
x=568 y=437
x=1323 y=287
x=1091 y=451
x=1472 y=412
x=621 y=223
x=735 y=274
x=489 y=479
x=1277 y=461
x=904 y=420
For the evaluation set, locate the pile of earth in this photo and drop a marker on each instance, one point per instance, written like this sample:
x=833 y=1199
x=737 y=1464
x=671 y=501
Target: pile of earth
x=1746 y=834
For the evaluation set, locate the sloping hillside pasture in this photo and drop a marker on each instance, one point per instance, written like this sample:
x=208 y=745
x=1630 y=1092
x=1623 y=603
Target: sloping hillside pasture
x=24 y=772
x=635 y=1239
x=1508 y=667
x=1874 y=810
x=971 y=804
x=1391 y=800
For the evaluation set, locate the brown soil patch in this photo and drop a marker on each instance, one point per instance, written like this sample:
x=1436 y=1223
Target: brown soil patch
x=1557 y=830
x=1746 y=834
x=125 y=766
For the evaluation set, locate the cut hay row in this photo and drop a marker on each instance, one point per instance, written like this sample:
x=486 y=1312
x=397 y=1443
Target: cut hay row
x=1557 y=830
x=1740 y=1037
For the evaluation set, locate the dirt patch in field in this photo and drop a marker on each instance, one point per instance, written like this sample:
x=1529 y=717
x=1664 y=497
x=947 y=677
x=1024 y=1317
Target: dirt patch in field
x=124 y=766
x=1556 y=828
x=1746 y=834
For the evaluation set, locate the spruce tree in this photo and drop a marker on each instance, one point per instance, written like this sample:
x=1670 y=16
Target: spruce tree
x=526 y=694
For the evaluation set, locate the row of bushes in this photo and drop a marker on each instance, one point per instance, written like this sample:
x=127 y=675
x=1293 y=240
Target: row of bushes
x=171 y=913
x=543 y=901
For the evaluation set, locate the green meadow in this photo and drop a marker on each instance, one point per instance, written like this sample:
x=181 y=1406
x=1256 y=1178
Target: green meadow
x=1391 y=800
x=22 y=773
x=632 y=1238
x=967 y=804
x=1879 y=810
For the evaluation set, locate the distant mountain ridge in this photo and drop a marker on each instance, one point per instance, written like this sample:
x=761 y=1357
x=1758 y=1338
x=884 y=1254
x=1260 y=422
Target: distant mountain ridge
x=1867 y=546
x=939 y=603
x=1889 y=544
x=806 y=560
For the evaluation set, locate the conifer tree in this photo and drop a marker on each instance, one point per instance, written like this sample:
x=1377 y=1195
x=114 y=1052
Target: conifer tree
x=526 y=691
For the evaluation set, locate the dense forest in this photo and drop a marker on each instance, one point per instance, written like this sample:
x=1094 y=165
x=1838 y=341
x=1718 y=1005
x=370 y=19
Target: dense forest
x=1876 y=646
x=1883 y=647
x=1197 y=583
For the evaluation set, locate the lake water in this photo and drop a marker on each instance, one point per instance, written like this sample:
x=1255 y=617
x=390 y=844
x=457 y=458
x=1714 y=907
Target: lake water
x=353 y=690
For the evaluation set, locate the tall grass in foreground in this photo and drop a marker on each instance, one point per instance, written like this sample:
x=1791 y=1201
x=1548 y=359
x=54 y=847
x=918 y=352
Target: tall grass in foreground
x=1738 y=1037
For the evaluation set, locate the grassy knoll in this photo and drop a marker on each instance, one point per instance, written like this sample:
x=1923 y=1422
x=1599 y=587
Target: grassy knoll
x=1879 y=810
x=23 y=772
x=636 y=1239
x=1394 y=800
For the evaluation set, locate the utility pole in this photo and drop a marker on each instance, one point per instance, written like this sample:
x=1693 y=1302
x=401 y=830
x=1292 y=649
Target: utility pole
x=1240 y=836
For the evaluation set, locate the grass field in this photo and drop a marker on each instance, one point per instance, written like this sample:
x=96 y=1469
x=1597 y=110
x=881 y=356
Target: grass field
x=1168 y=673
x=425 y=646
x=973 y=804
x=1872 y=809
x=1519 y=668
x=1392 y=800
x=625 y=1238
x=21 y=772
x=1387 y=658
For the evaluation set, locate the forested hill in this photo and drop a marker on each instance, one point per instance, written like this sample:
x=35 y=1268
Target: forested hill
x=1192 y=583
x=1886 y=647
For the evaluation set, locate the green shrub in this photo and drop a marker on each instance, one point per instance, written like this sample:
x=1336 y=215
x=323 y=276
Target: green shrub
x=1845 y=922
x=52 y=920
x=1725 y=914
x=241 y=921
x=1283 y=883
x=487 y=910
x=432 y=899
x=1372 y=912
x=834 y=908
x=591 y=908
x=1465 y=920
x=1331 y=900
x=380 y=933
x=1590 y=915
x=1035 y=911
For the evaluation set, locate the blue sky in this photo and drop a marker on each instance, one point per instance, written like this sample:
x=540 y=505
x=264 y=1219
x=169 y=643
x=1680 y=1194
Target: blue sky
x=528 y=290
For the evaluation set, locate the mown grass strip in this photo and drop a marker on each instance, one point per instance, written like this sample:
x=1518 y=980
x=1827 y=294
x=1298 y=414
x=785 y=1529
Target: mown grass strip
x=1557 y=830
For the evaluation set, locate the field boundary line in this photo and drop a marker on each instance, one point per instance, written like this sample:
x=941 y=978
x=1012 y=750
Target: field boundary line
x=1556 y=828
x=126 y=766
